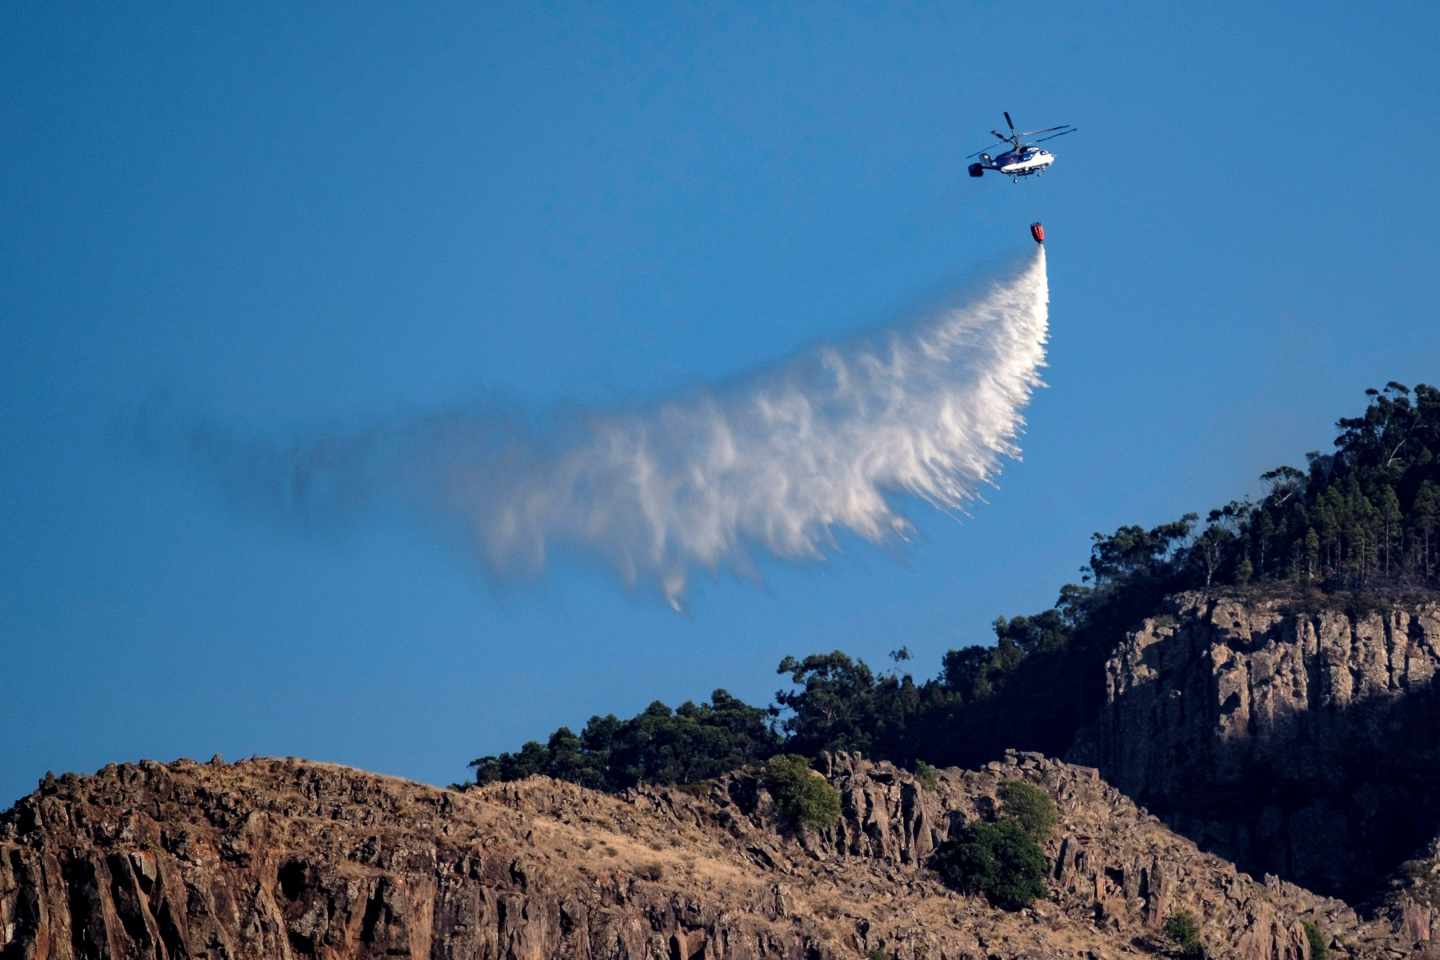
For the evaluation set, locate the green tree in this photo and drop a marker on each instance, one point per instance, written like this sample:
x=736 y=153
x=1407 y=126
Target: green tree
x=834 y=707
x=999 y=860
x=804 y=798
x=1312 y=554
x=1264 y=534
x=1425 y=516
x=1368 y=523
x=1390 y=527
x=1210 y=547
x=1133 y=551
x=1326 y=527
x=928 y=776
x=1041 y=633
x=1319 y=943
x=1390 y=422
x=1184 y=932
x=978 y=673
x=1030 y=807
x=1244 y=570
x=567 y=760
x=659 y=745
x=1285 y=482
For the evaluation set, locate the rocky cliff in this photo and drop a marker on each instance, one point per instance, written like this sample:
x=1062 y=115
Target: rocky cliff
x=290 y=859
x=1293 y=735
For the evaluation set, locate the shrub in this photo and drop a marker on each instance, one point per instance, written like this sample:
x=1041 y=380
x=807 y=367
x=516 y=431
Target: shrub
x=926 y=774
x=1030 y=807
x=1319 y=943
x=1000 y=860
x=1184 y=932
x=803 y=796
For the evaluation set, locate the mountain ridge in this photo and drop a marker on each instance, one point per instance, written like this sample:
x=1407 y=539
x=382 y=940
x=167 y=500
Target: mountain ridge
x=285 y=858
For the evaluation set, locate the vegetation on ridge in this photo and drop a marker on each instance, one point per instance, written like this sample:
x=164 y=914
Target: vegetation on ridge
x=1184 y=932
x=1030 y=807
x=804 y=797
x=659 y=745
x=1002 y=860
x=997 y=860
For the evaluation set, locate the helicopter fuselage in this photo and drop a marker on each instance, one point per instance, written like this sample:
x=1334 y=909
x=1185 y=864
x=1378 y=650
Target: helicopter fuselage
x=1019 y=163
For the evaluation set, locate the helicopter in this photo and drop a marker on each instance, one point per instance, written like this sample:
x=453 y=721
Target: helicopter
x=1021 y=159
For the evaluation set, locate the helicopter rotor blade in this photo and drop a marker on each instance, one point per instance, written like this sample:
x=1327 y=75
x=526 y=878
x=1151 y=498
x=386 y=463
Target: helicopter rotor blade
x=1008 y=122
x=978 y=152
x=1053 y=136
x=1030 y=133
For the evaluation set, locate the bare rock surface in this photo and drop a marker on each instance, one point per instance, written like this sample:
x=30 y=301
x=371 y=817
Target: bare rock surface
x=1291 y=736
x=292 y=859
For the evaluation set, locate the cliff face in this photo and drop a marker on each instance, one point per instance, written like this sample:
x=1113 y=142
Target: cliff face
x=288 y=859
x=1294 y=741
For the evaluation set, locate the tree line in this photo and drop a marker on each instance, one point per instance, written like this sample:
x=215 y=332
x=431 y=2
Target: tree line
x=1364 y=517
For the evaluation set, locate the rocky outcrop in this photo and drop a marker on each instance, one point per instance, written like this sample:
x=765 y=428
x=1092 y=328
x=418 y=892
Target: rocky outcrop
x=289 y=859
x=1294 y=736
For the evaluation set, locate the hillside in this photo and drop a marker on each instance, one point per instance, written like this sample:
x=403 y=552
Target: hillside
x=286 y=858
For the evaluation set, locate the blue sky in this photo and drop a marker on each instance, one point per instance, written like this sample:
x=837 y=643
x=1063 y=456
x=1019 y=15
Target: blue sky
x=292 y=221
